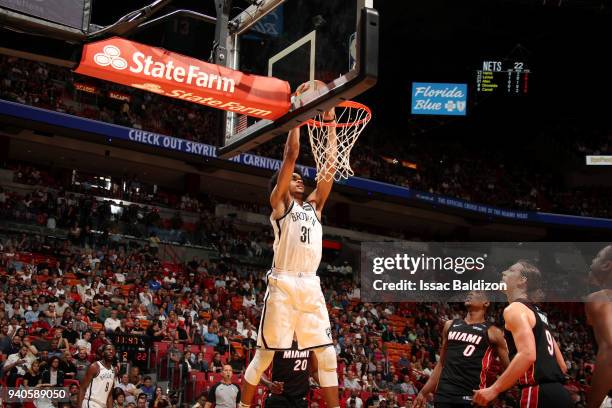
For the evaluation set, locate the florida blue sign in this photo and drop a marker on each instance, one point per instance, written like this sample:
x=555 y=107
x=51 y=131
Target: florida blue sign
x=439 y=99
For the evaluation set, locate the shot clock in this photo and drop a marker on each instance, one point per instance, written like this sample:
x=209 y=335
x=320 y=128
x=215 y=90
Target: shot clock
x=132 y=347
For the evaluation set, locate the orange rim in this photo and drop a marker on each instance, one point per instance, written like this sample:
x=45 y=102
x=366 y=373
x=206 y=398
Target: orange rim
x=345 y=104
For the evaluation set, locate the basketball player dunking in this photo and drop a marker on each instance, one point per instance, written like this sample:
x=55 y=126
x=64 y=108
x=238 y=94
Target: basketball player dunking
x=97 y=386
x=599 y=315
x=536 y=362
x=466 y=355
x=294 y=302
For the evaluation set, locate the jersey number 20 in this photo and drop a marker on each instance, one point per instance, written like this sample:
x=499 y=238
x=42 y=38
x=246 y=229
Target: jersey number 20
x=305 y=235
x=300 y=365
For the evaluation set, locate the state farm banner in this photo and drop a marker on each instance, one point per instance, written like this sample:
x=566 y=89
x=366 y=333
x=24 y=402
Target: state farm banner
x=177 y=76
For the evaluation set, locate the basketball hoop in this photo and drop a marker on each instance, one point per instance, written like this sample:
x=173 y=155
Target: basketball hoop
x=333 y=159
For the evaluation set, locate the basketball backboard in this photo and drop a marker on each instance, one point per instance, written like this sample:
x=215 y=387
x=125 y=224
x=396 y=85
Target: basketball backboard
x=298 y=41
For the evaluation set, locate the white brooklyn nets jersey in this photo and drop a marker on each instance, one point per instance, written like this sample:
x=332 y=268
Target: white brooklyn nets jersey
x=99 y=388
x=298 y=240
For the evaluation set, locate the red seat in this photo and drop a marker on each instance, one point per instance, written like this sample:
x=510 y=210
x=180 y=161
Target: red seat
x=68 y=382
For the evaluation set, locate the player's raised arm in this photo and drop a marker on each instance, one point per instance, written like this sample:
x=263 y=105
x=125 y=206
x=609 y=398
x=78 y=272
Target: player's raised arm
x=519 y=323
x=324 y=184
x=280 y=198
x=496 y=337
x=432 y=383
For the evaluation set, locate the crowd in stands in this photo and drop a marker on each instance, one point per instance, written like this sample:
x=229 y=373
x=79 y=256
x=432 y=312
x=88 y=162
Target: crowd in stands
x=141 y=216
x=477 y=176
x=60 y=302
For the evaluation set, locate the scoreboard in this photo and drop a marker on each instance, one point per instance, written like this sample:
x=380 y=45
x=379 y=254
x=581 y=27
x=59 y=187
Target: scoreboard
x=510 y=78
x=131 y=347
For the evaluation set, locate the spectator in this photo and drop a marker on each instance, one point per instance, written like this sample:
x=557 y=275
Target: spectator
x=147 y=388
x=53 y=376
x=31 y=316
x=373 y=400
x=211 y=338
x=111 y=324
x=67 y=365
x=354 y=400
x=81 y=363
x=201 y=402
x=407 y=387
x=200 y=363
x=142 y=401
x=17 y=365
x=33 y=377
x=236 y=362
x=216 y=366
x=119 y=398
x=160 y=400
x=84 y=342
x=129 y=390
x=351 y=382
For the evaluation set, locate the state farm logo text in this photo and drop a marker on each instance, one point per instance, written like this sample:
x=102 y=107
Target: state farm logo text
x=168 y=69
x=110 y=56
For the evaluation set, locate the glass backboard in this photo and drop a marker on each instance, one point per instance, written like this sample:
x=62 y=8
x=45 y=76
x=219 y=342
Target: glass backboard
x=298 y=41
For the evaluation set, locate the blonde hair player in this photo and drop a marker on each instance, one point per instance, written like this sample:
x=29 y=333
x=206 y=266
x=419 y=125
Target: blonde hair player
x=294 y=302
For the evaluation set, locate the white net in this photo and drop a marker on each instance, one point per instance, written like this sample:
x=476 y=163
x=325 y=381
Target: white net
x=332 y=143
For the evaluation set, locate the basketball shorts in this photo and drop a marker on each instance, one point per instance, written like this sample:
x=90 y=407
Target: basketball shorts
x=545 y=396
x=294 y=303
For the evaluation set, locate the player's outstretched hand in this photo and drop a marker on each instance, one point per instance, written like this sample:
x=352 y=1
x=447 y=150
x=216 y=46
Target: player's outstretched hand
x=277 y=387
x=421 y=400
x=484 y=397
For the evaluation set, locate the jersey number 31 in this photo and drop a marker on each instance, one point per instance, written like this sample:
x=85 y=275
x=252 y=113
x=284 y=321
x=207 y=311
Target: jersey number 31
x=305 y=235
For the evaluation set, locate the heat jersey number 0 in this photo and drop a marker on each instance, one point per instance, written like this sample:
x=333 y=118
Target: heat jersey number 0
x=469 y=350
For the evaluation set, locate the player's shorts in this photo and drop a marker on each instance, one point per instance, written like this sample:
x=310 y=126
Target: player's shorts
x=452 y=405
x=280 y=401
x=294 y=303
x=545 y=396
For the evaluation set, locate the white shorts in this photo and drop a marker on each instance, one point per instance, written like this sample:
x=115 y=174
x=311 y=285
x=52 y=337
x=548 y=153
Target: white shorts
x=294 y=303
